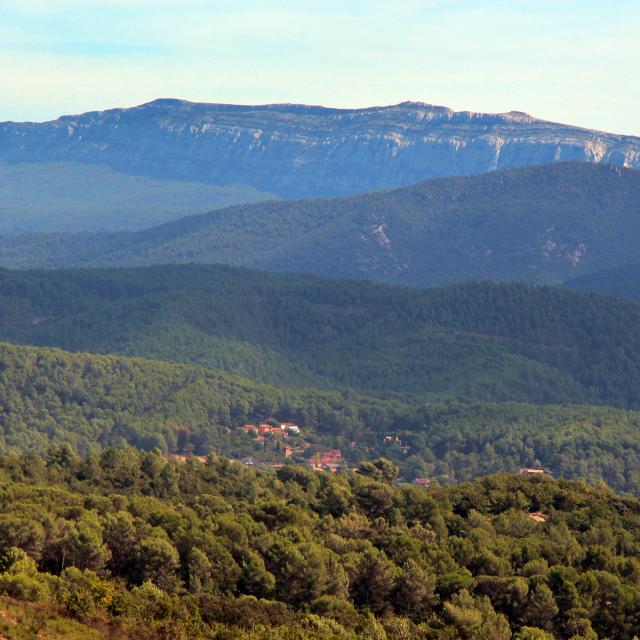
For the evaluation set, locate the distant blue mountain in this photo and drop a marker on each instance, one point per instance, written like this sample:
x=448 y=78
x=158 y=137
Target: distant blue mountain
x=538 y=224
x=302 y=151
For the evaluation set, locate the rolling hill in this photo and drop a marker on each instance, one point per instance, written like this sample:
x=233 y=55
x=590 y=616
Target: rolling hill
x=538 y=224
x=51 y=398
x=477 y=341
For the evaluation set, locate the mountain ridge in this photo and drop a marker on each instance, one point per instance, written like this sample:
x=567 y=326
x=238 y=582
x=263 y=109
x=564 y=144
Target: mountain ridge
x=538 y=224
x=303 y=151
x=304 y=107
x=435 y=110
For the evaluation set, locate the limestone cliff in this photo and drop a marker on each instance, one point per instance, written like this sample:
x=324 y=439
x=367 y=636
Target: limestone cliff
x=299 y=151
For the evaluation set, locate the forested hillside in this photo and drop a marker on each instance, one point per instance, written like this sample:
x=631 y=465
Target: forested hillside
x=539 y=224
x=133 y=545
x=622 y=281
x=49 y=398
x=478 y=341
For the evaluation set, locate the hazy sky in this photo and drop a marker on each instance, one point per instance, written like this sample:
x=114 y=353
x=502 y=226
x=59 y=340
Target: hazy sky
x=575 y=61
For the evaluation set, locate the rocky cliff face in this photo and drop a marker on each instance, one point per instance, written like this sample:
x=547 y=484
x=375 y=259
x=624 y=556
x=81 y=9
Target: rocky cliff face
x=299 y=151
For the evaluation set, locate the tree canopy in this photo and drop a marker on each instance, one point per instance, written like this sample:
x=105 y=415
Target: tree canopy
x=168 y=549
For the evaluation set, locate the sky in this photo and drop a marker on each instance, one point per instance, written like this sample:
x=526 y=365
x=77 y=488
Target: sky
x=571 y=61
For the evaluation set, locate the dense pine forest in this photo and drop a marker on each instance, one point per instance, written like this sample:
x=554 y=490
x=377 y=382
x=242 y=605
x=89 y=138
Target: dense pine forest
x=134 y=505
x=132 y=545
x=475 y=341
x=52 y=398
x=542 y=224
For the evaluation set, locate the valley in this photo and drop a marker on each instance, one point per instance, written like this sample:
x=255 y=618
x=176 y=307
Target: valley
x=76 y=197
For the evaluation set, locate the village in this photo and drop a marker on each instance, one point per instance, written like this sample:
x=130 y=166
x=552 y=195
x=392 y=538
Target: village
x=286 y=440
x=278 y=443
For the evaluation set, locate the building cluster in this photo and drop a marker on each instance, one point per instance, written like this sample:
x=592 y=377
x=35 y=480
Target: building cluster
x=537 y=471
x=396 y=440
x=264 y=428
x=327 y=460
x=538 y=516
x=330 y=460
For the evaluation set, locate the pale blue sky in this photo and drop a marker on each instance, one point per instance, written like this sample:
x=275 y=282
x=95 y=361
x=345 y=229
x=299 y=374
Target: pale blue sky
x=575 y=61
